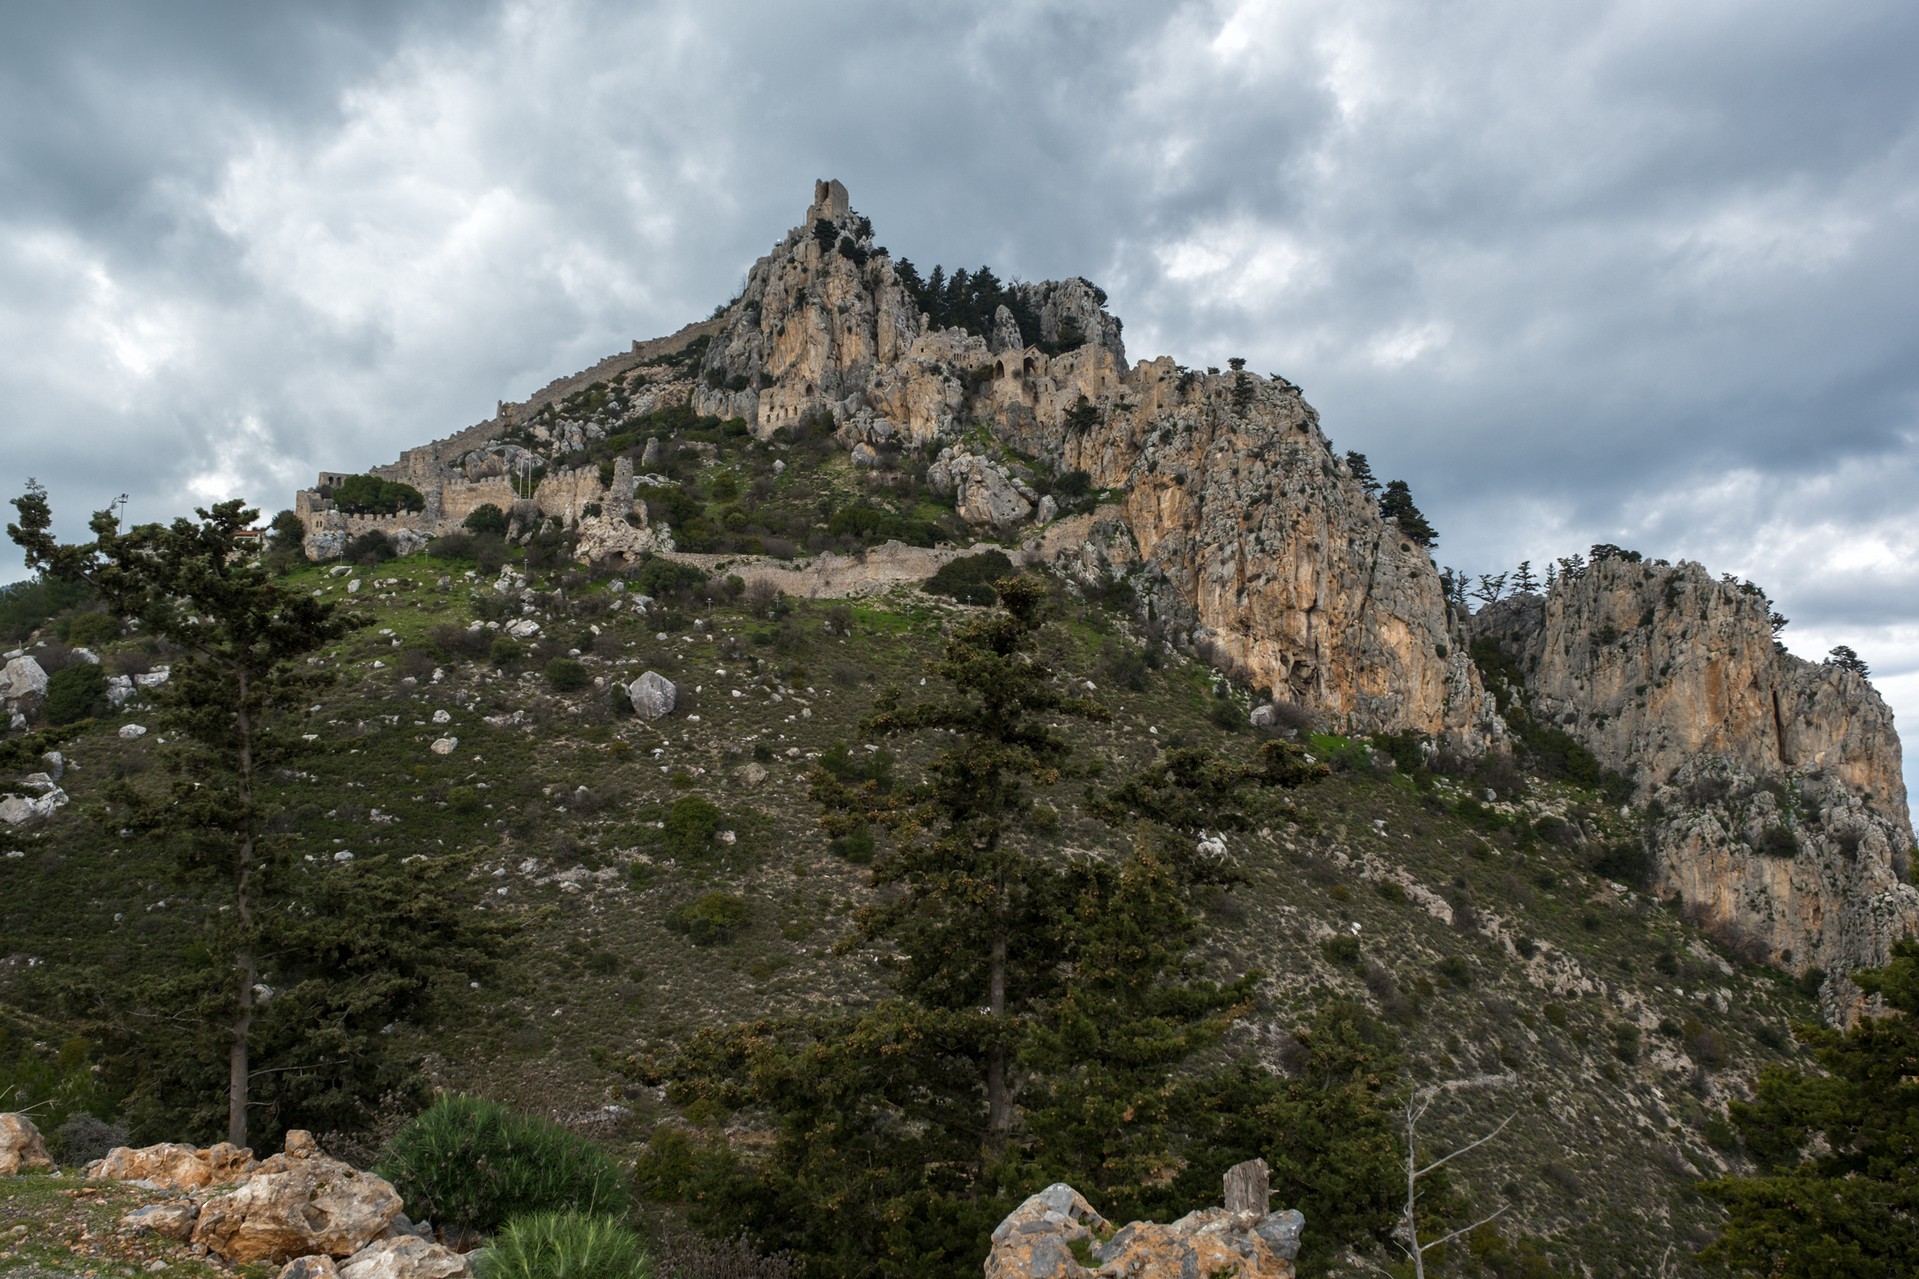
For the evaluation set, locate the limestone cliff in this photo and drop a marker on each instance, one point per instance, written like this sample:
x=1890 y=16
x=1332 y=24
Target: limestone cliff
x=1231 y=510
x=1776 y=784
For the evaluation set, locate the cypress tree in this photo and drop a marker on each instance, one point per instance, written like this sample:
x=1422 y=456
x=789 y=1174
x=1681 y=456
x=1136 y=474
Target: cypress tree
x=334 y=964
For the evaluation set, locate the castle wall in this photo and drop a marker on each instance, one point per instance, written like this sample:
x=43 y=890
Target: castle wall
x=566 y=493
x=460 y=498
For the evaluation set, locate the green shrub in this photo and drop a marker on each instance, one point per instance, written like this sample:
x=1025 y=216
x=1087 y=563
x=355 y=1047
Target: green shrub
x=485 y=518
x=857 y=847
x=453 y=546
x=1227 y=715
x=289 y=530
x=710 y=920
x=83 y=1139
x=691 y=823
x=1342 y=950
x=505 y=651
x=1625 y=862
x=871 y=523
x=90 y=630
x=474 y=1164
x=1775 y=841
x=567 y=675
x=969 y=579
x=53 y=1085
x=74 y=693
x=659 y=578
x=563 y=1245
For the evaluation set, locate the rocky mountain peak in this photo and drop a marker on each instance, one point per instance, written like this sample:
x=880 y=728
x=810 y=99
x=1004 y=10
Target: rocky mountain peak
x=1216 y=491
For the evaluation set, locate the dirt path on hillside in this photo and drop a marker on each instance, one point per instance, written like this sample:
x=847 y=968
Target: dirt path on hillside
x=831 y=575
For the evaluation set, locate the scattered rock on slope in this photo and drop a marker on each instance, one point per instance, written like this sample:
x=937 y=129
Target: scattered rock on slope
x=653 y=694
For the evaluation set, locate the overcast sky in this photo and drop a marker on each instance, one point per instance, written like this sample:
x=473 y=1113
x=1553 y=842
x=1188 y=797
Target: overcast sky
x=1645 y=273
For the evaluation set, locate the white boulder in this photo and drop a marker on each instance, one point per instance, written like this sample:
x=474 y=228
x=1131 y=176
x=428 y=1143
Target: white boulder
x=653 y=695
x=22 y=677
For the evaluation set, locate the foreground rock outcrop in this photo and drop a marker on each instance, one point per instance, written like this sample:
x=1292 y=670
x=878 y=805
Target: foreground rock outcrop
x=291 y=1206
x=319 y=1216
x=174 y=1165
x=21 y=1149
x=1776 y=784
x=1056 y=1234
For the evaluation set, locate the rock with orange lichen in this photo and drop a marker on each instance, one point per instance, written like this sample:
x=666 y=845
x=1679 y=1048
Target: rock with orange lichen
x=173 y=1165
x=297 y=1204
x=1036 y=1239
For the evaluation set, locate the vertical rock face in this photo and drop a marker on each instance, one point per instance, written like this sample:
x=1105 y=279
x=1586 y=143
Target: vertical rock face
x=1783 y=814
x=1653 y=665
x=1277 y=555
x=1237 y=518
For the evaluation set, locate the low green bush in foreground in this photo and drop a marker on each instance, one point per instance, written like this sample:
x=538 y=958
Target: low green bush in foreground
x=475 y=1164
x=563 y=1245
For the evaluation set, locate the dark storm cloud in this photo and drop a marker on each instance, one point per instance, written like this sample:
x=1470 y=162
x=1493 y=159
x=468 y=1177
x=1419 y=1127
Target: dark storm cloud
x=1634 y=273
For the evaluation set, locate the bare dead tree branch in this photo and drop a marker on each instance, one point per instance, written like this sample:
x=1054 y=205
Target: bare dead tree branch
x=1422 y=1100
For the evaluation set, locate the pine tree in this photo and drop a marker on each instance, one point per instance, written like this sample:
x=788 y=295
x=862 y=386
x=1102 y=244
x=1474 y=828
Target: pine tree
x=1845 y=658
x=1104 y=1110
x=1837 y=1192
x=1362 y=471
x=930 y=1078
x=1524 y=582
x=909 y=277
x=1244 y=391
x=1396 y=504
x=933 y=302
x=972 y=897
